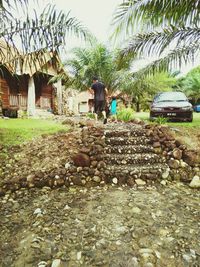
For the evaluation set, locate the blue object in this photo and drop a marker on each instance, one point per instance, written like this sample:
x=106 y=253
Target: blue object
x=113 y=107
x=197 y=108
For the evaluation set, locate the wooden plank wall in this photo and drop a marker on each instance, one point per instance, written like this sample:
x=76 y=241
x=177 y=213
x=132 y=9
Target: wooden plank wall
x=5 y=92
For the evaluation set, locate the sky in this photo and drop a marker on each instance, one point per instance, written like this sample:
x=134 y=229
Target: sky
x=96 y=15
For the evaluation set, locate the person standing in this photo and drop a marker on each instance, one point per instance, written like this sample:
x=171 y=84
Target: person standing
x=100 y=91
x=113 y=107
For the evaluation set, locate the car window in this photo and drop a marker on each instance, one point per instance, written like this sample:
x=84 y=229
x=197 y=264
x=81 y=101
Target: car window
x=170 y=97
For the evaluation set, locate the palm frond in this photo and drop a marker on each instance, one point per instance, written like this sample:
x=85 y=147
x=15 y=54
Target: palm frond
x=131 y=13
x=175 y=58
x=47 y=32
x=156 y=42
x=7 y=6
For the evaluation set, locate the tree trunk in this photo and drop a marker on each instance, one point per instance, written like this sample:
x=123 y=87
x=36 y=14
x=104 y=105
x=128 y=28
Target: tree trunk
x=137 y=106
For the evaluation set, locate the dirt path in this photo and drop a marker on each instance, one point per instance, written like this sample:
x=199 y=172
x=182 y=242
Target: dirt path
x=105 y=226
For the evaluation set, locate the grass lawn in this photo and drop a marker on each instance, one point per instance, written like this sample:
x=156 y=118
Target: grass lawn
x=195 y=123
x=16 y=131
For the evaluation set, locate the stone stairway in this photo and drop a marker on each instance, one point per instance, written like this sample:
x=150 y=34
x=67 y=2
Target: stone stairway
x=129 y=155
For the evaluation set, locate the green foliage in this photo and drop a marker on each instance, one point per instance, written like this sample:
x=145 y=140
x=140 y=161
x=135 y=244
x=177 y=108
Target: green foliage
x=90 y=115
x=126 y=114
x=16 y=131
x=160 y=27
x=190 y=84
x=99 y=61
x=195 y=123
x=161 y=120
x=143 y=88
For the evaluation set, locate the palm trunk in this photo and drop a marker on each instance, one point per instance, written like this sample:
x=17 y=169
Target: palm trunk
x=137 y=106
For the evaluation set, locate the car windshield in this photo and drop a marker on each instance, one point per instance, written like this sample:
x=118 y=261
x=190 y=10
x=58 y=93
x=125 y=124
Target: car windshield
x=170 y=97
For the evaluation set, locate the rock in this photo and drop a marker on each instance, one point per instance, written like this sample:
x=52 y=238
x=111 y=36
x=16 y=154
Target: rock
x=146 y=250
x=37 y=211
x=94 y=163
x=156 y=144
x=173 y=163
x=114 y=180
x=140 y=182
x=30 y=178
x=177 y=153
x=191 y=157
x=76 y=180
x=67 y=165
x=148 y=264
x=42 y=264
x=78 y=256
x=68 y=122
x=195 y=183
x=56 y=263
x=81 y=160
x=2 y=193
x=163 y=182
x=96 y=179
x=84 y=150
x=183 y=164
x=136 y=210
x=165 y=174
x=130 y=182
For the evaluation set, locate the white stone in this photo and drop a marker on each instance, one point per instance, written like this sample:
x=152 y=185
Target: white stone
x=195 y=183
x=67 y=207
x=37 y=211
x=158 y=254
x=163 y=182
x=140 y=182
x=78 y=256
x=56 y=263
x=42 y=264
x=67 y=165
x=136 y=210
x=146 y=250
x=114 y=180
x=96 y=179
x=165 y=174
x=187 y=258
x=183 y=164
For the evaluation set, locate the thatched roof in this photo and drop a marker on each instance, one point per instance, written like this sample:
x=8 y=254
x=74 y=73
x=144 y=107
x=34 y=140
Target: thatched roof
x=18 y=63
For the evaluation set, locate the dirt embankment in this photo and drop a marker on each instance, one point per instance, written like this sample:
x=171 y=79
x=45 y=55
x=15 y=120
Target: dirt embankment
x=189 y=136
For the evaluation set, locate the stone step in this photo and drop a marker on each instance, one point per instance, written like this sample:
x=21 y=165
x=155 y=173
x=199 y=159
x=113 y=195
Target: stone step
x=148 y=171
x=125 y=133
x=139 y=159
x=138 y=140
x=129 y=149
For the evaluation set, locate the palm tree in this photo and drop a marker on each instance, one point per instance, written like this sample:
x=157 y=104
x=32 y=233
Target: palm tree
x=99 y=61
x=142 y=89
x=190 y=84
x=170 y=30
x=33 y=37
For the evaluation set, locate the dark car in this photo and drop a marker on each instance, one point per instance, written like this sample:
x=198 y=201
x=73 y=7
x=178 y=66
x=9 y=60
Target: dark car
x=171 y=105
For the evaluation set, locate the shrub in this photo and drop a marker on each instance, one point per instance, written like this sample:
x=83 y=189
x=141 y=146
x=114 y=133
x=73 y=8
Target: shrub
x=125 y=114
x=90 y=115
x=161 y=120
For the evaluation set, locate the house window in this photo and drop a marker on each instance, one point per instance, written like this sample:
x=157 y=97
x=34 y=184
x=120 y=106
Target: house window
x=83 y=107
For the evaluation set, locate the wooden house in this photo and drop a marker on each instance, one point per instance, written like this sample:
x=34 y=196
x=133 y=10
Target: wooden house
x=24 y=81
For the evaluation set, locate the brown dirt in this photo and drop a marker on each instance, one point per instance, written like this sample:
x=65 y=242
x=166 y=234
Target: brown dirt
x=189 y=136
